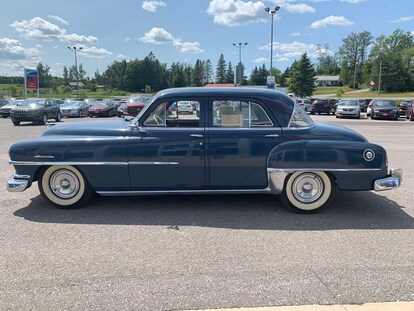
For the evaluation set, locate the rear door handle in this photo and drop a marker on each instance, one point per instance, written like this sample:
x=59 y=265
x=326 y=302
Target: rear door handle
x=272 y=135
x=197 y=135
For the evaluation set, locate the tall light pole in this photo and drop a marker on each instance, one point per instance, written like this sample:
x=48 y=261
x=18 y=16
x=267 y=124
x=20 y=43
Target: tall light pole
x=272 y=13
x=239 y=66
x=76 y=67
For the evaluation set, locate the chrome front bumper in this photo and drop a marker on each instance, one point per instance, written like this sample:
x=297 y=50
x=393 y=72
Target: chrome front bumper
x=18 y=183
x=391 y=182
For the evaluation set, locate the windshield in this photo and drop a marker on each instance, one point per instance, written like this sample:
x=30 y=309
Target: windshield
x=140 y=99
x=71 y=104
x=32 y=103
x=348 y=103
x=385 y=103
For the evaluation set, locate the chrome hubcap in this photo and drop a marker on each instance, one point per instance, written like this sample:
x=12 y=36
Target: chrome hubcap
x=307 y=188
x=64 y=184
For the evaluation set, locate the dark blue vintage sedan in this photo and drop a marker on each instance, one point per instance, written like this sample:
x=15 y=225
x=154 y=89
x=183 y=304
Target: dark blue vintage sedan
x=243 y=140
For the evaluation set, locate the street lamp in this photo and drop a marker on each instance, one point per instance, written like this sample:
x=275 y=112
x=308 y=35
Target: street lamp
x=239 y=75
x=272 y=13
x=76 y=67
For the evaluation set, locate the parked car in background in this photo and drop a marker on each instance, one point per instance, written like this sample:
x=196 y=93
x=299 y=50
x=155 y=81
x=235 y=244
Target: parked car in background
x=383 y=109
x=305 y=103
x=4 y=101
x=403 y=107
x=103 y=108
x=185 y=107
x=246 y=140
x=410 y=111
x=135 y=103
x=322 y=106
x=5 y=110
x=121 y=108
x=363 y=104
x=38 y=110
x=348 y=108
x=75 y=109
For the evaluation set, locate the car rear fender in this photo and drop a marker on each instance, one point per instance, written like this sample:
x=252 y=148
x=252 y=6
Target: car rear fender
x=352 y=165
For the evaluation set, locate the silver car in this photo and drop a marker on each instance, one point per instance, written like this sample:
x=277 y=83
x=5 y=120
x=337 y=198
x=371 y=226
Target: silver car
x=348 y=108
x=74 y=109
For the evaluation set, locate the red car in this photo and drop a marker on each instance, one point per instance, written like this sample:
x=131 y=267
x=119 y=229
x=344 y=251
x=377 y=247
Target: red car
x=102 y=109
x=135 y=103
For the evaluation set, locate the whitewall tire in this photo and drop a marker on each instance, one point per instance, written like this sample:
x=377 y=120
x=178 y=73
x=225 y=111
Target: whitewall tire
x=64 y=186
x=308 y=192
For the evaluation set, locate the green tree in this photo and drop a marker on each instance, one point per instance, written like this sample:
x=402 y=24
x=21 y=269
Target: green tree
x=198 y=73
x=229 y=74
x=44 y=75
x=302 y=78
x=395 y=56
x=353 y=53
x=221 y=70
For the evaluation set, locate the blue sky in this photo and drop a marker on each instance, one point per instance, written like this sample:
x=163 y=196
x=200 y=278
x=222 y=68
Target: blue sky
x=184 y=30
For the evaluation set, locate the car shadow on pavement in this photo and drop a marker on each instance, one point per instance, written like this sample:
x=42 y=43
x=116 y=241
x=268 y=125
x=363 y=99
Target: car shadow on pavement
x=349 y=210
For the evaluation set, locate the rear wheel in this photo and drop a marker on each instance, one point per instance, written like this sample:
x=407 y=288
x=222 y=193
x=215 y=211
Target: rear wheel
x=64 y=186
x=308 y=192
x=16 y=122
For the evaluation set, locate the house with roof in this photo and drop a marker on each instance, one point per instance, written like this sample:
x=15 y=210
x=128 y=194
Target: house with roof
x=328 y=81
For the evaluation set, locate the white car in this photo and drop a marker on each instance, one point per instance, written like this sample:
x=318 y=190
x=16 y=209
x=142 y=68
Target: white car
x=305 y=103
x=348 y=108
x=185 y=107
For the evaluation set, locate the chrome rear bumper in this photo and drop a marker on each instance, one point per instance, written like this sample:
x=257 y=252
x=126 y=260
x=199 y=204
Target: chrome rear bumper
x=18 y=183
x=391 y=182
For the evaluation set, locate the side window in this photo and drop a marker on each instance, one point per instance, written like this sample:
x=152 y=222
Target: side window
x=157 y=116
x=239 y=114
x=181 y=113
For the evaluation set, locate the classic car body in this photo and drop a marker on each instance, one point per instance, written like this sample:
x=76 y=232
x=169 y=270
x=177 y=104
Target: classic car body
x=244 y=140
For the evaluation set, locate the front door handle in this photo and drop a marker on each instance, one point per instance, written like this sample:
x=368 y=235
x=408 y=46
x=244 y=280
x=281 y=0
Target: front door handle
x=197 y=135
x=272 y=135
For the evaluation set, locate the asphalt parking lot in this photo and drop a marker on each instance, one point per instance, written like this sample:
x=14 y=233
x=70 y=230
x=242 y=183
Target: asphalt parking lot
x=206 y=252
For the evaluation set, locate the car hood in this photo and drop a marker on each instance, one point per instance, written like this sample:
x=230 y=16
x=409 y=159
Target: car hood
x=9 y=106
x=92 y=128
x=327 y=131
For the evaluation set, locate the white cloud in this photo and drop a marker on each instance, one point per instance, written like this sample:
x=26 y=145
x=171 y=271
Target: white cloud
x=352 y=1
x=157 y=36
x=161 y=36
x=94 y=52
x=301 y=8
x=41 y=29
x=79 y=38
x=127 y=39
x=12 y=49
x=403 y=19
x=188 y=47
x=153 y=5
x=331 y=20
x=284 y=52
x=236 y=12
x=59 y=19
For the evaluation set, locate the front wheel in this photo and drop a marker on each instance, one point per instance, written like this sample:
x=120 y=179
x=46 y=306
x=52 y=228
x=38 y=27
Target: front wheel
x=64 y=186
x=308 y=192
x=58 y=117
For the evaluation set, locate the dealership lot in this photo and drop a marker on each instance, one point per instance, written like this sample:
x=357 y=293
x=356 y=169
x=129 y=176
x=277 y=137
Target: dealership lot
x=194 y=252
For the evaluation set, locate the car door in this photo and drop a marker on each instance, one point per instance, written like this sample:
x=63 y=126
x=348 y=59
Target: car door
x=241 y=135
x=167 y=149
